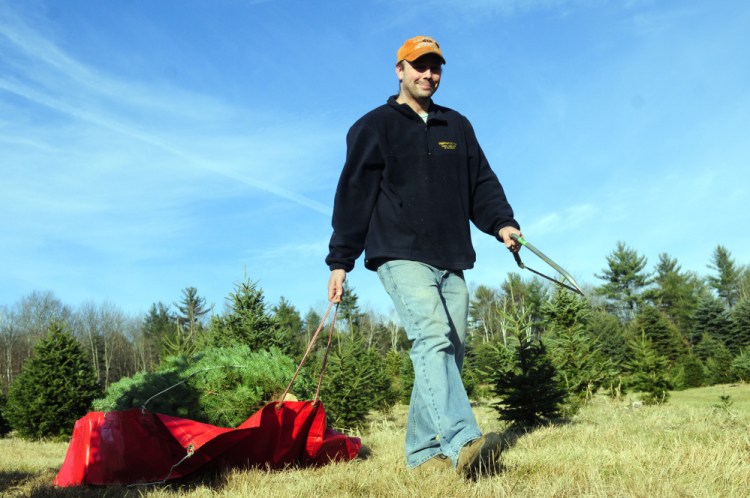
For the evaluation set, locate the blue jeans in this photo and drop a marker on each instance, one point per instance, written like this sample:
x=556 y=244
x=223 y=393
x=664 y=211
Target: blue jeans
x=433 y=307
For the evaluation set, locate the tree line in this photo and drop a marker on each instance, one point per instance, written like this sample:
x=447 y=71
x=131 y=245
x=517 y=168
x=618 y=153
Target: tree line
x=639 y=330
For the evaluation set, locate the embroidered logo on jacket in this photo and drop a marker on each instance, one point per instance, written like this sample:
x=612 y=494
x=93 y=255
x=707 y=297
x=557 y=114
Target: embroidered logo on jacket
x=447 y=145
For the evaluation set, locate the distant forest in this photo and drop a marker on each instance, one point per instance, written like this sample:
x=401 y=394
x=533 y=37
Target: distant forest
x=693 y=329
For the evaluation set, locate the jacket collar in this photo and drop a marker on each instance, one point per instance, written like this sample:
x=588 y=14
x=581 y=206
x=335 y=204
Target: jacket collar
x=435 y=110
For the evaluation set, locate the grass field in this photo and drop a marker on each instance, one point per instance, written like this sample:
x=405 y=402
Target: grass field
x=693 y=446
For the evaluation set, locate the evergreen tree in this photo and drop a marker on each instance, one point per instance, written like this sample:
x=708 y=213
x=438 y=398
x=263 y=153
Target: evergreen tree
x=356 y=381
x=676 y=293
x=158 y=323
x=741 y=326
x=55 y=388
x=691 y=372
x=744 y=284
x=739 y=370
x=288 y=319
x=727 y=280
x=527 y=295
x=712 y=319
x=191 y=310
x=608 y=332
x=648 y=372
x=407 y=376
x=348 y=310
x=531 y=392
x=219 y=386
x=482 y=362
x=625 y=281
x=576 y=355
x=246 y=321
x=662 y=333
x=312 y=321
x=718 y=364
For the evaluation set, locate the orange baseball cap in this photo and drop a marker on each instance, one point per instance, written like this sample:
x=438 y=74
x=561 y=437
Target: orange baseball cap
x=416 y=47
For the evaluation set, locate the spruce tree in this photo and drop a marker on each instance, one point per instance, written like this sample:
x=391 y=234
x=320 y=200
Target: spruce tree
x=55 y=388
x=648 y=372
x=609 y=333
x=662 y=333
x=192 y=308
x=741 y=326
x=356 y=381
x=247 y=321
x=531 y=392
x=290 y=324
x=740 y=368
x=677 y=293
x=712 y=319
x=576 y=355
x=693 y=373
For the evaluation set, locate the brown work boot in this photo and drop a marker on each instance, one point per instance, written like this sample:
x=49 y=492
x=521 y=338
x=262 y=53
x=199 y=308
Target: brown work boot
x=481 y=455
x=436 y=464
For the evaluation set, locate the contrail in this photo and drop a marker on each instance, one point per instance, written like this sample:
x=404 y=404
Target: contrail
x=60 y=61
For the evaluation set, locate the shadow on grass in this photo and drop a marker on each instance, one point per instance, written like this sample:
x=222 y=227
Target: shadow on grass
x=10 y=481
x=512 y=434
x=510 y=437
x=40 y=486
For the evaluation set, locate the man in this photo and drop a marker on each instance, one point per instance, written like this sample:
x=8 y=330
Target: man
x=413 y=179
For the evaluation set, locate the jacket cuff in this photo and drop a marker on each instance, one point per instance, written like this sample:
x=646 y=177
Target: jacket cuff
x=339 y=266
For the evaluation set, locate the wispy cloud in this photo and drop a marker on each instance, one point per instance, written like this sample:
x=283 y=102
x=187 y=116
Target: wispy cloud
x=45 y=75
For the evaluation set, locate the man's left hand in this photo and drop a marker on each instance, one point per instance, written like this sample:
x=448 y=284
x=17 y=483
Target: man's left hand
x=505 y=234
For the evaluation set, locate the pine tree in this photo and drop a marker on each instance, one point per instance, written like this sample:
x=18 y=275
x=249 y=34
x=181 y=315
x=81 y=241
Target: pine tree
x=625 y=281
x=530 y=393
x=54 y=389
x=727 y=280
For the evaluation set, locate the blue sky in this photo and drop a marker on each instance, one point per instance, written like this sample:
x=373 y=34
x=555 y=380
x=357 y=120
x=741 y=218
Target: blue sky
x=148 y=146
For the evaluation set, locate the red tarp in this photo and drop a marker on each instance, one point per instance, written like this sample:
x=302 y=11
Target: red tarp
x=137 y=446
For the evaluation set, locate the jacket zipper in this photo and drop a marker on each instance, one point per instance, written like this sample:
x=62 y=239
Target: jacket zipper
x=427 y=136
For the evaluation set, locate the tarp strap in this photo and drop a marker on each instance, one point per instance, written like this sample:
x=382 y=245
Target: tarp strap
x=310 y=348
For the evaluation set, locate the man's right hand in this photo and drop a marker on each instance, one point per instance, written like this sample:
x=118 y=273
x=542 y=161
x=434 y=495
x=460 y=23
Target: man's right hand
x=336 y=285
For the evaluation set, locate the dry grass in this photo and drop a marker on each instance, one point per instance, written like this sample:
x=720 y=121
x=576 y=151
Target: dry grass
x=690 y=447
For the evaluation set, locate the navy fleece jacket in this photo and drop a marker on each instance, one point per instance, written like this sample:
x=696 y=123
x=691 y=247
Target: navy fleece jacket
x=408 y=190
